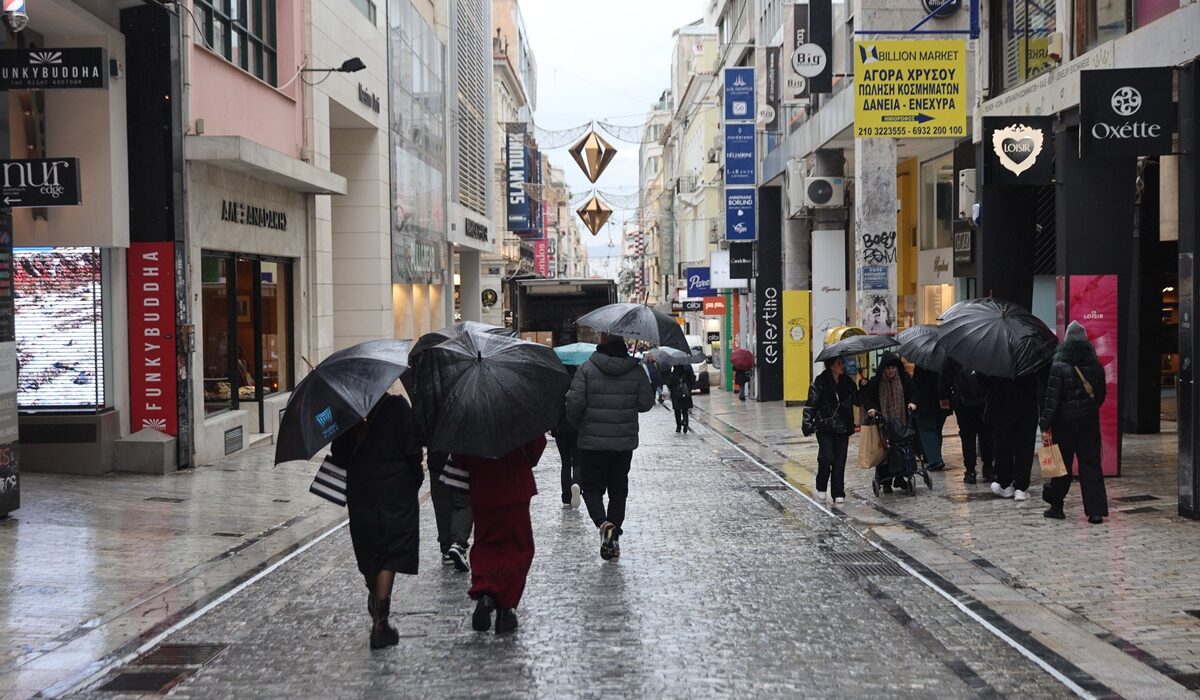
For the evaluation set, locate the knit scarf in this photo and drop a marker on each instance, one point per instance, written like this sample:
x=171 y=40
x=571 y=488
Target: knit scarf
x=891 y=397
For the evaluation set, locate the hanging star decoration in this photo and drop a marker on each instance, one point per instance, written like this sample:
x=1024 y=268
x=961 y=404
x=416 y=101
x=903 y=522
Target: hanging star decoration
x=593 y=154
x=594 y=214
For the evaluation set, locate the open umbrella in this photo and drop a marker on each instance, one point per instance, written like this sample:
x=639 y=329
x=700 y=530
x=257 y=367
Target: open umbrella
x=920 y=345
x=454 y=330
x=856 y=344
x=637 y=321
x=575 y=354
x=485 y=395
x=338 y=394
x=742 y=360
x=996 y=337
x=669 y=357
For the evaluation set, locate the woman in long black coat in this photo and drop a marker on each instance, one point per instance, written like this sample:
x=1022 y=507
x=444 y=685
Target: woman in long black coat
x=829 y=413
x=683 y=378
x=382 y=456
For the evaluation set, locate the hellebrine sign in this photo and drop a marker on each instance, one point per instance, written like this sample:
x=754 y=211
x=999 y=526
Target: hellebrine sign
x=49 y=69
x=152 y=390
x=1126 y=112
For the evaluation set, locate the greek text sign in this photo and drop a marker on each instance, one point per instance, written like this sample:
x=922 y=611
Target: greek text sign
x=910 y=88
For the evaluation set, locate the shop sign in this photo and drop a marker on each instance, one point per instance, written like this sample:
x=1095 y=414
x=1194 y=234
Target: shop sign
x=489 y=297
x=795 y=85
x=905 y=88
x=768 y=326
x=712 y=337
x=739 y=95
x=520 y=209
x=541 y=258
x=739 y=154
x=699 y=282
x=820 y=36
x=768 y=114
x=714 y=306
x=741 y=261
x=250 y=215
x=676 y=307
x=476 y=231
x=53 y=69
x=693 y=305
x=369 y=99
x=963 y=252
x=797 y=344
x=740 y=209
x=718 y=267
x=1126 y=112
x=49 y=182
x=1018 y=150
x=151 y=290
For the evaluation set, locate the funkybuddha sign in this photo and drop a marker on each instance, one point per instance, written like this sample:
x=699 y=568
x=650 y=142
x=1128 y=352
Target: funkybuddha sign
x=910 y=88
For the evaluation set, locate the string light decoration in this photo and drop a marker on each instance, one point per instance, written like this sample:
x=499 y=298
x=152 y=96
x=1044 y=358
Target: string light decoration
x=595 y=214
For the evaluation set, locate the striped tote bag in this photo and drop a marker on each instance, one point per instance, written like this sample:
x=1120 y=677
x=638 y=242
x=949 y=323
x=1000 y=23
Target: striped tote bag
x=330 y=483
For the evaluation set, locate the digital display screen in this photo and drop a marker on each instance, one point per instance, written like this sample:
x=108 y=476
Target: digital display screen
x=59 y=328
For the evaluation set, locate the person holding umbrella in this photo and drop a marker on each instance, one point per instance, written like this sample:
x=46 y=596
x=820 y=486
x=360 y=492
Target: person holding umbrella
x=566 y=439
x=829 y=412
x=968 y=392
x=891 y=394
x=742 y=361
x=933 y=405
x=682 y=379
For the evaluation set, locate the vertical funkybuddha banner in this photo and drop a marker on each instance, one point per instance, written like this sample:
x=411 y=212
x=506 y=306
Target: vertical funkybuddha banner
x=1093 y=302
x=797 y=344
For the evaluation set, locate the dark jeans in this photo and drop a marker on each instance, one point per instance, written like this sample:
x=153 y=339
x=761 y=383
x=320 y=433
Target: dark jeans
x=681 y=416
x=451 y=508
x=929 y=430
x=973 y=431
x=831 y=462
x=1079 y=439
x=568 y=453
x=606 y=471
x=1014 y=437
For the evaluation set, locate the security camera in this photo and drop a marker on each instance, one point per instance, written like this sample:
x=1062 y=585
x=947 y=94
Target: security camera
x=15 y=21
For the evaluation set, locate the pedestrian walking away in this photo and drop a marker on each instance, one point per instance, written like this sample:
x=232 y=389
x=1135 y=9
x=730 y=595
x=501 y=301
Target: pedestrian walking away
x=829 y=412
x=566 y=439
x=682 y=381
x=890 y=394
x=501 y=490
x=606 y=396
x=1071 y=418
x=933 y=405
x=742 y=378
x=1012 y=412
x=382 y=457
x=452 y=511
x=968 y=398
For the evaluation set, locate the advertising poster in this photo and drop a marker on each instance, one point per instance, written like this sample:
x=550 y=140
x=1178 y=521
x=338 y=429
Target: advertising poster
x=739 y=154
x=1093 y=303
x=152 y=381
x=541 y=258
x=906 y=88
x=740 y=210
x=520 y=211
x=797 y=344
x=739 y=95
x=876 y=270
x=699 y=283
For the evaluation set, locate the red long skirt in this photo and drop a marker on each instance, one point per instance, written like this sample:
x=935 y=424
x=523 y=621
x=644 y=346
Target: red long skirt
x=502 y=553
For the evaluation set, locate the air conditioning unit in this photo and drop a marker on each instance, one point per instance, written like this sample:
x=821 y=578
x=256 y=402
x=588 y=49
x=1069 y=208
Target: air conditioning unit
x=824 y=192
x=795 y=188
x=966 y=192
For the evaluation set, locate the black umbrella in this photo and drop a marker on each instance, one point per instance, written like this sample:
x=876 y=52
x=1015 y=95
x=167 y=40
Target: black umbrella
x=669 y=357
x=453 y=331
x=338 y=394
x=856 y=344
x=637 y=321
x=996 y=337
x=484 y=394
x=920 y=345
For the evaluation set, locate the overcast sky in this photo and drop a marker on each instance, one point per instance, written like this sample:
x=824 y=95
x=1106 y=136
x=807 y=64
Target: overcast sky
x=605 y=61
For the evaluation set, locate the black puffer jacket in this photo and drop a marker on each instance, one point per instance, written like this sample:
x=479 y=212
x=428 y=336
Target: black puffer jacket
x=608 y=392
x=830 y=406
x=1066 y=398
x=966 y=387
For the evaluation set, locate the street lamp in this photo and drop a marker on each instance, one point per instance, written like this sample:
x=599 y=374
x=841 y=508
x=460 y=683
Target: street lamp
x=350 y=65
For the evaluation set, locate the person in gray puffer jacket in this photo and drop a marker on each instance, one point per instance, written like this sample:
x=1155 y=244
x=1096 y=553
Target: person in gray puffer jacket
x=606 y=396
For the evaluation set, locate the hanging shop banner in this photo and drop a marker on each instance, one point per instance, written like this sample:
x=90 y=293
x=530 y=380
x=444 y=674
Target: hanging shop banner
x=820 y=46
x=1093 y=302
x=46 y=182
x=740 y=209
x=739 y=154
x=53 y=69
x=1126 y=112
x=797 y=344
x=520 y=209
x=795 y=86
x=10 y=476
x=905 y=88
x=741 y=261
x=718 y=267
x=714 y=306
x=768 y=112
x=1018 y=150
x=739 y=95
x=768 y=326
x=541 y=258
x=690 y=306
x=699 y=283
x=152 y=384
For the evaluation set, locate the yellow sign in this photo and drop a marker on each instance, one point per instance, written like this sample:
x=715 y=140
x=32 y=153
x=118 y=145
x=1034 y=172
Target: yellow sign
x=1033 y=57
x=906 y=88
x=797 y=344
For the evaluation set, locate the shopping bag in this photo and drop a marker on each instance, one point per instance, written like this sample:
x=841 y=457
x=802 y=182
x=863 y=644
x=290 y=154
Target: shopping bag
x=1052 y=463
x=330 y=483
x=871 y=450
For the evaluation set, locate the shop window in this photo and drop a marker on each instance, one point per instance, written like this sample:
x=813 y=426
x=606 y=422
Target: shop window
x=1027 y=25
x=1147 y=11
x=937 y=203
x=367 y=7
x=60 y=328
x=243 y=32
x=1099 y=21
x=938 y=298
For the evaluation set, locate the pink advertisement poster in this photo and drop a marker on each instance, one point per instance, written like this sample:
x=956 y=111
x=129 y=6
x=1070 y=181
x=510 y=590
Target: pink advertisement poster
x=1093 y=302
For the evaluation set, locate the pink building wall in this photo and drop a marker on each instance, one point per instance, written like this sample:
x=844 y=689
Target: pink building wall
x=233 y=103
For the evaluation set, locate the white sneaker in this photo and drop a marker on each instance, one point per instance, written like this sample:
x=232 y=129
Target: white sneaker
x=576 y=496
x=821 y=495
x=1002 y=492
x=1020 y=495
x=839 y=500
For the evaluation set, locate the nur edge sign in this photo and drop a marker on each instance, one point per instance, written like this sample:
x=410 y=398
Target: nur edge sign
x=1126 y=112
x=46 y=182
x=53 y=69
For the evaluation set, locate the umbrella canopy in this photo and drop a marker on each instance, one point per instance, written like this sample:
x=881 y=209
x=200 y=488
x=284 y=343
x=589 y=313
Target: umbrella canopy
x=669 y=357
x=456 y=329
x=856 y=344
x=338 y=394
x=485 y=395
x=996 y=338
x=742 y=360
x=575 y=354
x=920 y=345
x=637 y=321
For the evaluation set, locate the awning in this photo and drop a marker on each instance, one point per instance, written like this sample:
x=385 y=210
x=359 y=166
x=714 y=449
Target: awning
x=256 y=160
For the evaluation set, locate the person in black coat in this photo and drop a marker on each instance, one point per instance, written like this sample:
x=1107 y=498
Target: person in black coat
x=566 y=438
x=1012 y=412
x=683 y=378
x=933 y=405
x=829 y=412
x=1071 y=417
x=968 y=391
x=890 y=394
x=382 y=457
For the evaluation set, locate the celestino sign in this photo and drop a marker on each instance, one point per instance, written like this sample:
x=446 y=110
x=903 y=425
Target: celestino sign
x=1018 y=150
x=152 y=391
x=1126 y=112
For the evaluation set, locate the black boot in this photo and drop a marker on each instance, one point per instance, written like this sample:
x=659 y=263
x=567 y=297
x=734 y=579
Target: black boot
x=506 y=620
x=382 y=633
x=989 y=474
x=1054 y=512
x=969 y=477
x=481 y=621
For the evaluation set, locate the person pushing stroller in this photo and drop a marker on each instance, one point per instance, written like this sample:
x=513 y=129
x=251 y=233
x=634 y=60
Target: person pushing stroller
x=889 y=399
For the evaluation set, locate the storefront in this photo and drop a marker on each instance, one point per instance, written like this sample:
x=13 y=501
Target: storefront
x=935 y=239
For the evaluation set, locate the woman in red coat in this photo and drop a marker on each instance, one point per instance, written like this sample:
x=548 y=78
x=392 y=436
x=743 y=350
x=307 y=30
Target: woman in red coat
x=500 y=493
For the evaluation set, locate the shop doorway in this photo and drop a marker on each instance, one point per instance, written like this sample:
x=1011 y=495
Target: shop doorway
x=247 y=331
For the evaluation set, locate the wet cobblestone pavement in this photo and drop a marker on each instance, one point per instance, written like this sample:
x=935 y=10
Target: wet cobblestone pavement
x=730 y=584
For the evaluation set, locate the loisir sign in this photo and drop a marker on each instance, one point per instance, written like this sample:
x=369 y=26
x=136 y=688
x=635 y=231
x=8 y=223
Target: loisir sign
x=1017 y=150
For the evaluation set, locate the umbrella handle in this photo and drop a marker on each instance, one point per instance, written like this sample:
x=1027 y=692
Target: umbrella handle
x=310 y=365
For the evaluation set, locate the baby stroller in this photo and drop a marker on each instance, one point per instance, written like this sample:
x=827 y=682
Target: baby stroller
x=902 y=463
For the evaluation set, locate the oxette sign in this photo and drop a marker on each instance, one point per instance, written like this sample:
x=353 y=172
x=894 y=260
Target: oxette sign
x=1018 y=150
x=48 y=69
x=152 y=393
x=1126 y=112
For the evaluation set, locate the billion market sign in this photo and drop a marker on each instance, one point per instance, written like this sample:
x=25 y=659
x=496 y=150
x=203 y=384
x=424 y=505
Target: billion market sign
x=50 y=69
x=910 y=88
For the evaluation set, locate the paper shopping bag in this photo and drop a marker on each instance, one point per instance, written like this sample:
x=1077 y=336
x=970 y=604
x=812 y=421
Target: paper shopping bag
x=871 y=450
x=1052 y=463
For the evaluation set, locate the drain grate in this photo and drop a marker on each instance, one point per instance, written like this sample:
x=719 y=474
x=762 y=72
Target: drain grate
x=180 y=655
x=874 y=570
x=1138 y=498
x=859 y=558
x=229 y=534
x=144 y=681
x=1143 y=509
x=165 y=499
